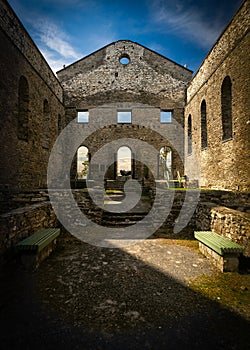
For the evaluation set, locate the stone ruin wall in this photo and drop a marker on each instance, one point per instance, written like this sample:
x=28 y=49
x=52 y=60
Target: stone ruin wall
x=147 y=84
x=224 y=212
x=24 y=163
x=100 y=78
x=224 y=165
x=21 y=223
x=232 y=224
x=104 y=121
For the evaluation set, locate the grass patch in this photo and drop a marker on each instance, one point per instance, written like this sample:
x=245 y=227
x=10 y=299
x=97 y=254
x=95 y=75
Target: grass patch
x=231 y=290
x=189 y=243
x=114 y=191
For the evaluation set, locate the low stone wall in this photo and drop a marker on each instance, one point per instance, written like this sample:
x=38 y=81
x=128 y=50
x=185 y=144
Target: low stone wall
x=210 y=211
x=210 y=214
x=10 y=200
x=210 y=200
x=202 y=216
x=232 y=224
x=21 y=223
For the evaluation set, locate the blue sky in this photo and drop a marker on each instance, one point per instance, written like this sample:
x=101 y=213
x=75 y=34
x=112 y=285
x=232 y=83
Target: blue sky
x=182 y=30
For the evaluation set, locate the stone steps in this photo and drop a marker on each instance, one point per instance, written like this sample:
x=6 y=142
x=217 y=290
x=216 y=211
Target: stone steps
x=121 y=219
x=118 y=184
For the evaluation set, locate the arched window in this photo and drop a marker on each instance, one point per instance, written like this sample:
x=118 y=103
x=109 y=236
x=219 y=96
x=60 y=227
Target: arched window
x=226 y=109
x=46 y=120
x=124 y=161
x=59 y=123
x=23 y=109
x=203 y=125
x=82 y=162
x=189 y=134
x=165 y=163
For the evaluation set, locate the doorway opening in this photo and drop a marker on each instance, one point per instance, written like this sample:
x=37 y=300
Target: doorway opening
x=82 y=162
x=124 y=161
x=165 y=163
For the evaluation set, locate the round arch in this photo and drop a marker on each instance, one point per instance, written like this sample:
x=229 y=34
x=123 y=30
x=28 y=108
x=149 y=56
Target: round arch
x=165 y=162
x=124 y=161
x=82 y=162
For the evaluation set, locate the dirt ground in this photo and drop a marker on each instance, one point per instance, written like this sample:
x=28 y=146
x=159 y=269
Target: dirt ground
x=85 y=297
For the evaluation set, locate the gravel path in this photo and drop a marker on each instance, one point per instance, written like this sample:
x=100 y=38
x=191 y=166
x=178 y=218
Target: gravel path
x=85 y=297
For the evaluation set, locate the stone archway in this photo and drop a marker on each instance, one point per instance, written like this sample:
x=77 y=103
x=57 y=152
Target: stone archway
x=165 y=163
x=124 y=163
x=82 y=162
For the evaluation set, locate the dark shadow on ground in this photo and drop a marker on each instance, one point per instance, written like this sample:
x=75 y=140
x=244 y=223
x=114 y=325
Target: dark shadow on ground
x=85 y=297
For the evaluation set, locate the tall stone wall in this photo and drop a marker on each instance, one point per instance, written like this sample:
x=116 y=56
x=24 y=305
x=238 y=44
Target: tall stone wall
x=148 y=78
x=24 y=158
x=223 y=164
x=147 y=84
x=105 y=130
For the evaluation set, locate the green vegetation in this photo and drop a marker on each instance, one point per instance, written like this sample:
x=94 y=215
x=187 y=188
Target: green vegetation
x=230 y=289
x=192 y=244
x=114 y=192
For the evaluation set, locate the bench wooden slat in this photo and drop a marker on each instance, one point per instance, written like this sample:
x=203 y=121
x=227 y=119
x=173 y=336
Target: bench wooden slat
x=39 y=239
x=218 y=243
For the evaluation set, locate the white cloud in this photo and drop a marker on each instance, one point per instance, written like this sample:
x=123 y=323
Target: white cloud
x=55 y=62
x=187 y=22
x=61 y=57
x=55 y=44
x=54 y=38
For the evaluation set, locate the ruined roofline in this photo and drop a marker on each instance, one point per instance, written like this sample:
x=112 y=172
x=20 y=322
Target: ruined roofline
x=128 y=41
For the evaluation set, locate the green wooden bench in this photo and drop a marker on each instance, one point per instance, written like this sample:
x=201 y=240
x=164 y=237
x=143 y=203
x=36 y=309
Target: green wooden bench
x=34 y=249
x=223 y=252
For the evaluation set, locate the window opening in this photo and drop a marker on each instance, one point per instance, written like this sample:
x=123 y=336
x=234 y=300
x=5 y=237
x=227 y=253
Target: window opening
x=83 y=116
x=124 y=161
x=165 y=163
x=189 y=134
x=226 y=109
x=203 y=125
x=166 y=116
x=124 y=117
x=59 y=123
x=124 y=59
x=82 y=162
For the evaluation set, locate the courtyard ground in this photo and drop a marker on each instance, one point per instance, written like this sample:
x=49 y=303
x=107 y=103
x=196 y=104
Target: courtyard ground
x=145 y=296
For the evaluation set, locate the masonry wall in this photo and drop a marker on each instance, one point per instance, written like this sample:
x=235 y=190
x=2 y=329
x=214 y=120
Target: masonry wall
x=23 y=162
x=232 y=224
x=100 y=78
x=223 y=164
x=21 y=223
x=225 y=212
x=147 y=84
x=105 y=130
